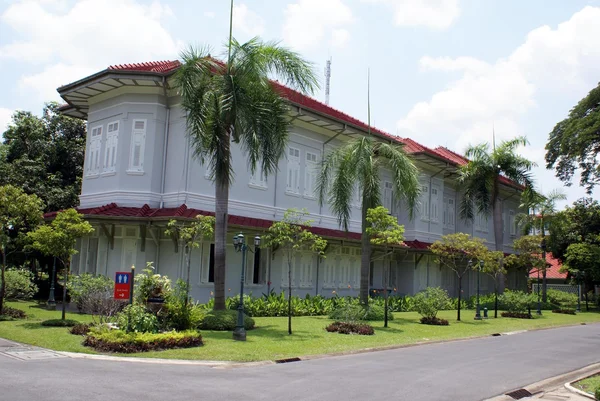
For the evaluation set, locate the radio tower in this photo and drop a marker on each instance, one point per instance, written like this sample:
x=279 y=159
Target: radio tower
x=327 y=79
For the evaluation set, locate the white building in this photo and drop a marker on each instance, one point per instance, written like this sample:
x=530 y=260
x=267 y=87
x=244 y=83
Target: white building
x=140 y=172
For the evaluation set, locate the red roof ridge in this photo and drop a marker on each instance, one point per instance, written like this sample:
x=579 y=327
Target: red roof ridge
x=143 y=210
x=103 y=208
x=180 y=210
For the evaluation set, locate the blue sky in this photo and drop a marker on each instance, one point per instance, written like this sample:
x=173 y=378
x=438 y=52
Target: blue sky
x=444 y=72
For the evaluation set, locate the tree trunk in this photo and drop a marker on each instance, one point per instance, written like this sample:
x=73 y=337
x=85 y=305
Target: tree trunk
x=498 y=231
x=67 y=265
x=3 y=283
x=385 y=293
x=496 y=301
x=187 y=278
x=365 y=259
x=544 y=283
x=289 y=295
x=459 y=297
x=221 y=207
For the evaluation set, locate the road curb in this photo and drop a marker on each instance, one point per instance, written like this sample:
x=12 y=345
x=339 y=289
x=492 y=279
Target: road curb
x=580 y=392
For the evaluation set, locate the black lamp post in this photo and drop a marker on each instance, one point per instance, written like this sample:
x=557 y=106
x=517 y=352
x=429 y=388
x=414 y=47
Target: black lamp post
x=543 y=246
x=578 y=278
x=51 y=298
x=478 y=308
x=239 y=243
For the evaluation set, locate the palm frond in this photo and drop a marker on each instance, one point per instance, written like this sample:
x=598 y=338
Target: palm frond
x=405 y=175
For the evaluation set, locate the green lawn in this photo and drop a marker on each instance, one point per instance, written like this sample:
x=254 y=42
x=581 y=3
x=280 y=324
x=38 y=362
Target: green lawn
x=588 y=385
x=270 y=341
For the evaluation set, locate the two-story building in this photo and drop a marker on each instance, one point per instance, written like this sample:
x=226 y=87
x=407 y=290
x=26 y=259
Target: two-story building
x=140 y=172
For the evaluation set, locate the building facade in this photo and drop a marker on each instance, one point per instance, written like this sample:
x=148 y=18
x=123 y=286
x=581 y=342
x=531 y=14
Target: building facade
x=140 y=172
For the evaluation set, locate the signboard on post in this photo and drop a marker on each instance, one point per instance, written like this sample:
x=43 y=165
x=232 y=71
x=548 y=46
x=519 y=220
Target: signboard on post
x=123 y=285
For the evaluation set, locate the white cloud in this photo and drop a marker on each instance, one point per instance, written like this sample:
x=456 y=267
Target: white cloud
x=88 y=36
x=308 y=22
x=5 y=118
x=435 y=14
x=560 y=62
x=210 y=14
x=247 y=21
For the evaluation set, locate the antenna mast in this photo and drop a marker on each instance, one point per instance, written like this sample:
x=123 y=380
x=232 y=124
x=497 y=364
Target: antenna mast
x=327 y=79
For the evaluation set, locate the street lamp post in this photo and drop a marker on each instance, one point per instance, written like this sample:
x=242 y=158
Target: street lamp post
x=239 y=243
x=478 y=308
x=543 y=246
x=51 y=298
x=578 y=277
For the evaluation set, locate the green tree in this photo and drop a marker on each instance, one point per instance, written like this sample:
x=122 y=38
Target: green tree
x=359 y=166
x=493 y=266
x=59 y=239
x=480 y=180
x=44 y=156
x=458 y=252
x=573 y=143
x=583 y=262
x=19 y=213
x=290 y=236
x=541 y=214
x=529 y=255
x=384 y=231
x=191 y=236
x=236 y=102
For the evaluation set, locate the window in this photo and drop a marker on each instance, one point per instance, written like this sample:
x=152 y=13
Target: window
x=424 y=202
x=434 y=212
x=207 y=264
x=449 y=213
x=306 y=269
x=293 y=171
x=481 y=223
x=258 y=179
x=110 y=149
x=310 y=174
x=286 y=270
x=388 y=197
x=138 y=141
x=93 y=162
x=128 y=254
x=329 y=269
x=258 y=267
x=511 y=223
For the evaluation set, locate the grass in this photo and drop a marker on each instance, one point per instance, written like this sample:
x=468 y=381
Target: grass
x=270 y=341
x=589 y=385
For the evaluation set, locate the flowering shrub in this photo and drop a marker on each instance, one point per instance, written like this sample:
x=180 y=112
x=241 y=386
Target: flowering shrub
x=350 y=328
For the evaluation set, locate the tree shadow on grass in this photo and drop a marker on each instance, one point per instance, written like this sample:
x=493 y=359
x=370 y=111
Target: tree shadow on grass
x=31 y=325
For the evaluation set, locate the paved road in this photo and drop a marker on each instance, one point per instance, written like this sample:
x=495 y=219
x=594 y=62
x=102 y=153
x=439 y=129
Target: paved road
x=456 y=371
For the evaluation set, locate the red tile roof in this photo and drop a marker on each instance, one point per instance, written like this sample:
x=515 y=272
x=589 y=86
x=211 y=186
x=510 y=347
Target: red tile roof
x=164 y=66
x=553 y=269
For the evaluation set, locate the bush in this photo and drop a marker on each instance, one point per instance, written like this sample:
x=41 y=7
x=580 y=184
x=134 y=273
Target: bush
x=353 y=312
x=80 y=329
x=149 y=285
x=350 y=328
x=60 y=323
x=436 y=321
x=13 y=313
x=517 y=301
x=561 y=298
x=224 y=320
x=518 y=315
x=597 y=394
x=137 y=319
x=19 y=284
x=120 y=341
x=177 y=314
x=565 y=311
x=82 y=286
x=430 y=301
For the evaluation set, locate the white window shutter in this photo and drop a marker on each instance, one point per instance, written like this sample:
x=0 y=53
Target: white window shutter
x=138 y=141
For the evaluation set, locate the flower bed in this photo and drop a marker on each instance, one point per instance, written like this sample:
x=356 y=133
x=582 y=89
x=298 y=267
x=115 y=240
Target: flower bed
x=435 y=321
x=350 y=328
x=518 y=315
x=122 y=342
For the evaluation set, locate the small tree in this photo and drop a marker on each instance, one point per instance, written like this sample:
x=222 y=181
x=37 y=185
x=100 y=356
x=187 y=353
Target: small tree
x=528 y=257
x=493 y=266
x=583 y=262
x=291 y=236
x=58 y=239
x=384 y=230
x=458 y=252
x=191 y=236
x=18 y=213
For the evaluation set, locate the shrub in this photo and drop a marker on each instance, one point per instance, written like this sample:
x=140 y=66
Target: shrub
x=517 y=301
x=518 y=315
x=149 y=285
x=224 y=320
x=137 y=319
x=19 y=284
x=565 y=311
x=561 y=298
x=81 y=286
x=178 y=314
x=120 y=341
x=430 y=301
x=60 y=323
x=350 y=328
x=13 y=313
x=436 y=321
x=80 y=329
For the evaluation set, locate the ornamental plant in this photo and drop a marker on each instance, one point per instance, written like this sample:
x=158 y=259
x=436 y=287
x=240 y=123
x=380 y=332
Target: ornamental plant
x=151 y=285
x=430 y=301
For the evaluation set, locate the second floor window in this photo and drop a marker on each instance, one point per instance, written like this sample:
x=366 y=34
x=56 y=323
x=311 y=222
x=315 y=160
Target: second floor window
x=434 y=212
x=138 y=143
x=511 y=223
x=388 y=197
x=311 y=174
x=110 y=150
x=293 y=171
x=449 y=213
x=424 y=202
x=258 y=179
x=95 y=145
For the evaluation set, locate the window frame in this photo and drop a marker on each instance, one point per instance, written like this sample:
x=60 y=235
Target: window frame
x=139 y=169
x=94 y=144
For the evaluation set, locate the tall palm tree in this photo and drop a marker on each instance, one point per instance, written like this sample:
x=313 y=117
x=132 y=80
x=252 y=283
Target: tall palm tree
x=541 y=211
x=362 y=161
x=480 y=179
x=236 y=102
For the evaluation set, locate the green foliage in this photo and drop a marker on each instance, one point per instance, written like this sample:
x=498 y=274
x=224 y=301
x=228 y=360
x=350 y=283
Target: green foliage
x=434 y=321
x=137 y=319
x=19 y=284
x=150 y=285
x=584 y=258
x=430 y=301
x=517 y=301
x=291 y=235
x=60 y=323
x=573 y=143
x=84 y=285
x=191 y=234
x=383 y=228
x=178 y=313
x=224 y=320
x=529 y=256
x=120 y=341
x=354 y=311
x=350 y=328
x=562 y=298
x=542 y=210
x=13 y=313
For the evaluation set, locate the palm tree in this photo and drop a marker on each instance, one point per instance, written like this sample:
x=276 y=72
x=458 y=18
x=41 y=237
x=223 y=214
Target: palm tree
x=236 y=102
x=363 y=161
x=541 y=211
x=480 y=179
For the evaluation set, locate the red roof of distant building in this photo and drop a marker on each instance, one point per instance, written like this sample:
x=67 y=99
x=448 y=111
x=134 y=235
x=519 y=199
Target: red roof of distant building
x=553 y=269
x=164 y=66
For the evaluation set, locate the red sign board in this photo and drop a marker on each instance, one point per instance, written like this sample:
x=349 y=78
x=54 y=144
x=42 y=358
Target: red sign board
x=122 y=285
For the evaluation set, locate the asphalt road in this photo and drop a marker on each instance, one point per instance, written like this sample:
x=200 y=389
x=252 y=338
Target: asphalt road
x=456 y=371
